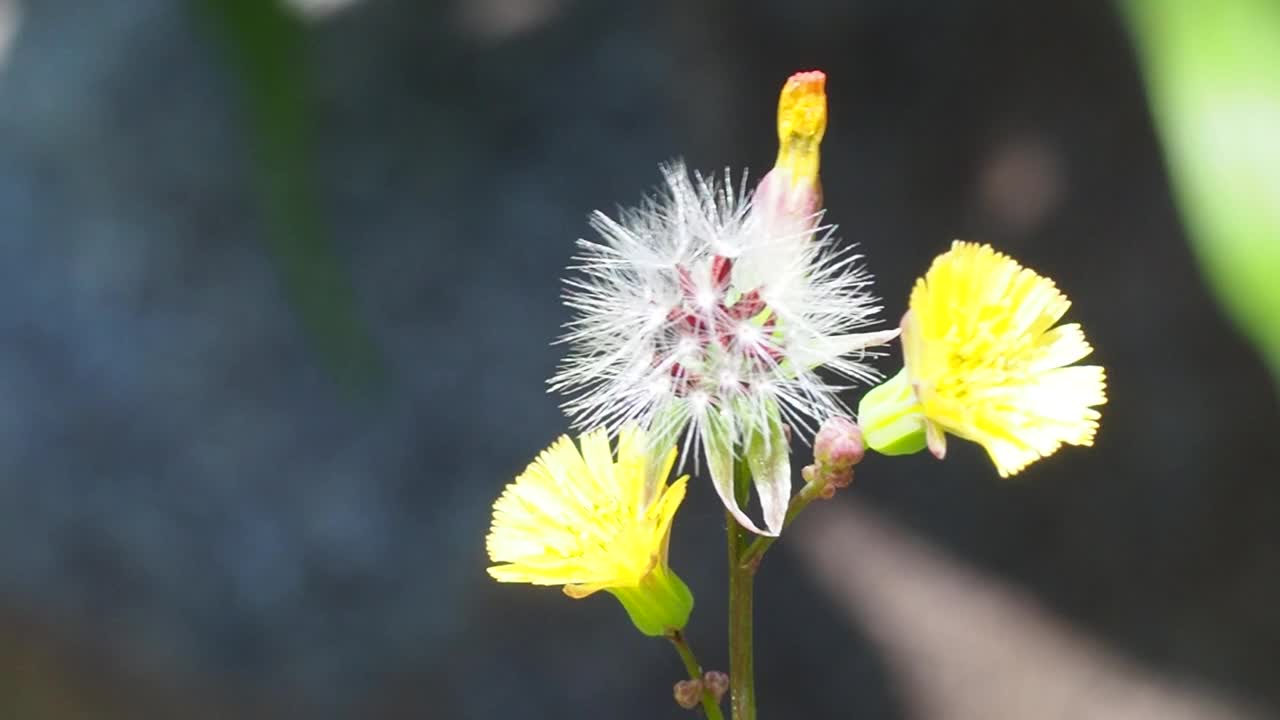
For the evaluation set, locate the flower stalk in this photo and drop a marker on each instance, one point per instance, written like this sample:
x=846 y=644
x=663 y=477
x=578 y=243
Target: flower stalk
x=710 y=703
x=742 y=688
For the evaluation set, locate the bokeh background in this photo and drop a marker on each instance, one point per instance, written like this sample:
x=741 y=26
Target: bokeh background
x=277 y=282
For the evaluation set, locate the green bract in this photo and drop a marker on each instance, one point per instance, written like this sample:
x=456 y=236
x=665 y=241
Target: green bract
x=891 y=418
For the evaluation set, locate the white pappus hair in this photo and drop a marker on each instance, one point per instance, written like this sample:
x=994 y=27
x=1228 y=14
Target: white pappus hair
x=700 y=300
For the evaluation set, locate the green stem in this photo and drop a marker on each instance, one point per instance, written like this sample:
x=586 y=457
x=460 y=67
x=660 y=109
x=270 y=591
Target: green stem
x=709 y=704
x=750 y=558
x=742 y=690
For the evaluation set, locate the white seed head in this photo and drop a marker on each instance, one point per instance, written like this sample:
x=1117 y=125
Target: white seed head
x=698 y=301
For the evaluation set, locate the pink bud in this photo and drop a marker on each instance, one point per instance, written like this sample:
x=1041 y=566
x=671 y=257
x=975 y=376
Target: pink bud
x=688 y=693
x=838 y=445
x=717 y=682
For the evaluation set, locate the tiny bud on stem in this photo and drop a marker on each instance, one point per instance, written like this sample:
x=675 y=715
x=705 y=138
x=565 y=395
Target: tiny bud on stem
x=716 y=682
x=688 y=693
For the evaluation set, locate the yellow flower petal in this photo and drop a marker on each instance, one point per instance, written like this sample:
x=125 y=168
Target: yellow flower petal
x=987 y=363
x=582 y=519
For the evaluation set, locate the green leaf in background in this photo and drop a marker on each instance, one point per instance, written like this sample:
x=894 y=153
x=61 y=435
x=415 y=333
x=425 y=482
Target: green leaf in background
x=265 y=43
x=1212 y=69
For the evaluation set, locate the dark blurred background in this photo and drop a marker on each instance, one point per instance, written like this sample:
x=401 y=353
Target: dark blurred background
x=277 y=284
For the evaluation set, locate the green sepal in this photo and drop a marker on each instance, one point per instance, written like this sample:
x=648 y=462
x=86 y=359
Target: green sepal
x=892 y=419
x=718 y=436
x=769 y=458
x=659 y=605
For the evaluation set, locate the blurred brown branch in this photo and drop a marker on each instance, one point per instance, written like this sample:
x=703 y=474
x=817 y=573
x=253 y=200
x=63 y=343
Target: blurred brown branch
x=962 y=646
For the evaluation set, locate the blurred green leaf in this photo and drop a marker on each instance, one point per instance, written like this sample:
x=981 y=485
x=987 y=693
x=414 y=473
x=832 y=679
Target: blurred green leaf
x=1212 y=69
x=265 y=43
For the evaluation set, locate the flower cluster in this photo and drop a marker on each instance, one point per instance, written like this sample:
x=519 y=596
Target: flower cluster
x=721 y=319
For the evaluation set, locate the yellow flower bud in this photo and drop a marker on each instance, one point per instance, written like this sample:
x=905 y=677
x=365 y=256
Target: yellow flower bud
x=802 y=121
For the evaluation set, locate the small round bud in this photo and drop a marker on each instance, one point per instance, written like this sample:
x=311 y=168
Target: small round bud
x=809 y=473
x=838 y=445
x=688 y=693
x=716 y=682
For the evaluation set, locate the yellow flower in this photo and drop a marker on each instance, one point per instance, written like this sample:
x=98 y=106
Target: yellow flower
x=590 y=522
x=984 y=362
